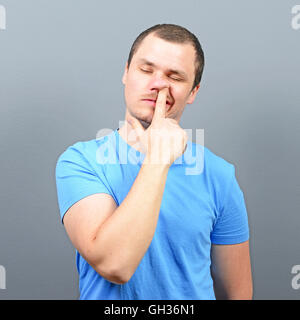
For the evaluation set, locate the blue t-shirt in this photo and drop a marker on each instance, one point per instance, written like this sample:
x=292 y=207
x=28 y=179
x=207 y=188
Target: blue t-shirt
x=202 y=205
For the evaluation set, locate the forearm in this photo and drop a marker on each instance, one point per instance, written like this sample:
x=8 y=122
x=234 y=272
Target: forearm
x=125 y=237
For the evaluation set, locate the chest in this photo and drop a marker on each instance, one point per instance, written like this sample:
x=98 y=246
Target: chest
x=187 y=212
x=187 y=209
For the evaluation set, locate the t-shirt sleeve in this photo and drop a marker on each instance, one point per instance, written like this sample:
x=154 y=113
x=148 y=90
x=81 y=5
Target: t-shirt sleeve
x=76 y=178
x=231 y=225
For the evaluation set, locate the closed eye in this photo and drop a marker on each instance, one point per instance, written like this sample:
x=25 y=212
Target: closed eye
x=147 y=71
x=175 y=79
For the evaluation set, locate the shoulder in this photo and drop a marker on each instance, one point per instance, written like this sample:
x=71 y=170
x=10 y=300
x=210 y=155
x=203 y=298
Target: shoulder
x=220 y=174
x=78 y=151
x=84 y=151
x=222 y=178
x=216 y=166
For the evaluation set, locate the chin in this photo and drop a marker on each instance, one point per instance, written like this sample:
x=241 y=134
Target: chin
x=143 y=115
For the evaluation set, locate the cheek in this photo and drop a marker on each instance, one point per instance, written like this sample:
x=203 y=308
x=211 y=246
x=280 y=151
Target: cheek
x=133 y=86
x=179 y=95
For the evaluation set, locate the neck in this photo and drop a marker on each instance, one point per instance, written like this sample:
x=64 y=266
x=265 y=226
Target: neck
x=127 y=133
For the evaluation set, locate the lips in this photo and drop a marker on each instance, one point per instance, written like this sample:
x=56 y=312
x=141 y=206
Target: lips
x=151 y=100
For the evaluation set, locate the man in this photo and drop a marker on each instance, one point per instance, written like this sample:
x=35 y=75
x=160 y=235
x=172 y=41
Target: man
x=147 y=230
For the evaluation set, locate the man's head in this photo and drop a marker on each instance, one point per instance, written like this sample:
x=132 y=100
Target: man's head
x=164 y=55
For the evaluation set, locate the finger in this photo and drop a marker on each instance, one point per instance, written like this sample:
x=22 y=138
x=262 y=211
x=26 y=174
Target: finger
x=160 y=106
x=136 y=125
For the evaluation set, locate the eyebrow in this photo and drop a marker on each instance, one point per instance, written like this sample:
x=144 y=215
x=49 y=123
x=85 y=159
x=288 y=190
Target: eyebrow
x=149 y=63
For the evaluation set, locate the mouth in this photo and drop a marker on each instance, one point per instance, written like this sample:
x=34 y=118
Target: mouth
x=153 y=102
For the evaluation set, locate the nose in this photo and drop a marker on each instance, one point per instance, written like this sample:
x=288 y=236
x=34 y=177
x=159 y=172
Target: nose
x=158 y=82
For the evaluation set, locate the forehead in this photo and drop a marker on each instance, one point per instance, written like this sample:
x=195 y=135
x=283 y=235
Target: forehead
x=165 y=54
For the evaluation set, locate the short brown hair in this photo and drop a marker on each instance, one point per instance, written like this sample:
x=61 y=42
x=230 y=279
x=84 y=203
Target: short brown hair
x=177 y=34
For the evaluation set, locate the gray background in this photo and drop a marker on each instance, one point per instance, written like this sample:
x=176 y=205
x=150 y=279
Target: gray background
x=61 y=64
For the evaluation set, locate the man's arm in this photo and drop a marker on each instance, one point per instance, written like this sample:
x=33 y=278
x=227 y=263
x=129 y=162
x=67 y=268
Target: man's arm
x=231 y=271
x=113 y=240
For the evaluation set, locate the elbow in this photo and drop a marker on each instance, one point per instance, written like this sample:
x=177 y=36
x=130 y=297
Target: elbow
x=113 y=274
x=110 y=268
x=122 y=277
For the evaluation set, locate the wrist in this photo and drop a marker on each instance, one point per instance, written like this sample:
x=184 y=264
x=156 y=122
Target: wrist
x=155 y=163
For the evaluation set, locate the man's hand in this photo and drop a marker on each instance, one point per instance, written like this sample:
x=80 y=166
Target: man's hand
x=164 y=140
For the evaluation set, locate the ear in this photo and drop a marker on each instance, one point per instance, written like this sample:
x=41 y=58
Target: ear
x=193 y=94
x=124 y=78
